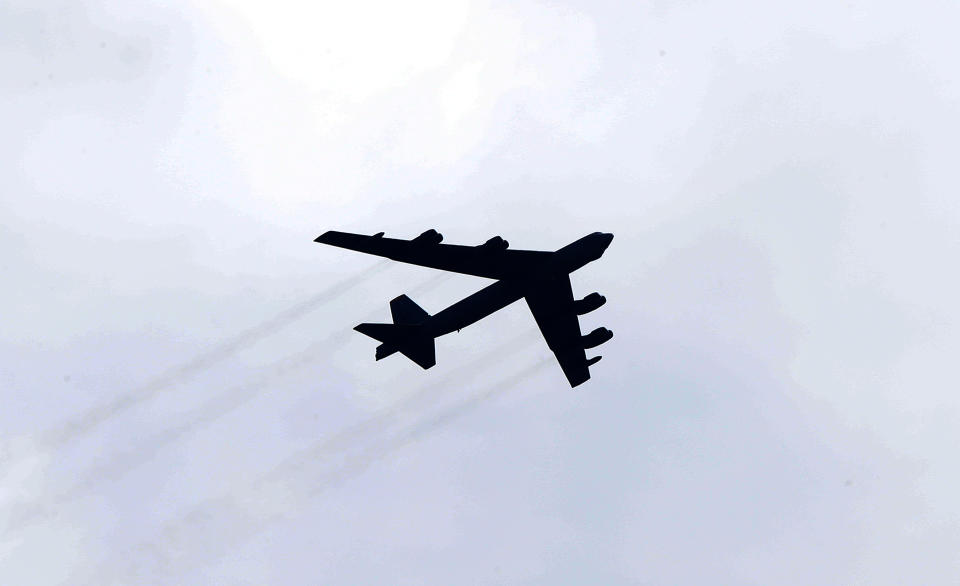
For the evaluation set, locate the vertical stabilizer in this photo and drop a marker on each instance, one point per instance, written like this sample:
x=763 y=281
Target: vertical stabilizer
x=405 y=311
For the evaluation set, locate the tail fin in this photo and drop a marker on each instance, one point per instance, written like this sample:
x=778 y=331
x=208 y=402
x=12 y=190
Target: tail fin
x=404 y=335
x=405 y=311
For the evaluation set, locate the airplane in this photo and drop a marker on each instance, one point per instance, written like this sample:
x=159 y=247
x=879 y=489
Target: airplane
x=540 y=277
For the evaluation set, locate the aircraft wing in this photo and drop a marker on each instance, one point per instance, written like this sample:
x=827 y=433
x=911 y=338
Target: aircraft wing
x=552 y=306
x=482 y=261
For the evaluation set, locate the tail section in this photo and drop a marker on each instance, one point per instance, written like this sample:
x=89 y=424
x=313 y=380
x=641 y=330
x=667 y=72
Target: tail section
x=404 y=335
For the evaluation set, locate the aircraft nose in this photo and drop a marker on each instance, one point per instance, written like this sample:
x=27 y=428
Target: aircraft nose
x=608 y=238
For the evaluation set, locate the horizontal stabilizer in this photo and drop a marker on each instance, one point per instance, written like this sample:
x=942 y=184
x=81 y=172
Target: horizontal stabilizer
x=386 y=333
x=420 y=350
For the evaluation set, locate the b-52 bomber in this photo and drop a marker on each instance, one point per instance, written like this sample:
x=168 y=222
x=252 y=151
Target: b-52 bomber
x=540 y=277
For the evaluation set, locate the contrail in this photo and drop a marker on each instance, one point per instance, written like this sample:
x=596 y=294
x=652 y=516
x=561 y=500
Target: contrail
x=232 y=521
x=94 y=416
x=201 y=417
x=426 y=427
x=381 y=419
x=147 y=449
x=224 y=517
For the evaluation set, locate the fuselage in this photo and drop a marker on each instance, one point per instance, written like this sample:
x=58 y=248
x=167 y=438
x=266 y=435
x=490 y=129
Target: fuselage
x=502 y=293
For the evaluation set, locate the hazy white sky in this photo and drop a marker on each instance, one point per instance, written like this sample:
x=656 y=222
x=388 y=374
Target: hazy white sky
x=778 y=405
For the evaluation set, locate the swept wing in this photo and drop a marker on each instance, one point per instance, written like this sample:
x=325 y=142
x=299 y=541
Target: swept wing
x=552 y=306
x=480 y=261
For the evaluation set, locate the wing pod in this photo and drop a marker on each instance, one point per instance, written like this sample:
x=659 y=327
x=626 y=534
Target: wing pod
x=378 y=235
x=596 y=337
x=431 y=236
x=495 y=243
x=589 y=303
x=593 y=360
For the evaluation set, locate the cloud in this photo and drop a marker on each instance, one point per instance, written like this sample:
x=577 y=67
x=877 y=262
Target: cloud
x=427 y=87
x=776 y=405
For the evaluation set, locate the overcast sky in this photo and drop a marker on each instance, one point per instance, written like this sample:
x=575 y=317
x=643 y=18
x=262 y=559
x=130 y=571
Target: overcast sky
x=182 y=400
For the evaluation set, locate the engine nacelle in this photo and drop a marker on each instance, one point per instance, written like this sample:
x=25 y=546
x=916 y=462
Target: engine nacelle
x=431 y=236
x=589 y=303
x=596 y=337
x=495 y=243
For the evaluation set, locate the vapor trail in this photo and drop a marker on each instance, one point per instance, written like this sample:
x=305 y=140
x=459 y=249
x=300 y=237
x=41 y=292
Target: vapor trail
x=383 y=418
x=228 y=520
x=199 y=418
x=145 y=450
x=426 y=427
x=94 y=416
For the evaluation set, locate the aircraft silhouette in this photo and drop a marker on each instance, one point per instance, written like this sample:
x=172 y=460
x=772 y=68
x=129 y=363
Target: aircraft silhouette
x=540 y=277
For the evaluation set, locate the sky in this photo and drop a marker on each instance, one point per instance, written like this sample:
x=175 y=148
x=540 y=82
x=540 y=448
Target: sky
x=184 y=400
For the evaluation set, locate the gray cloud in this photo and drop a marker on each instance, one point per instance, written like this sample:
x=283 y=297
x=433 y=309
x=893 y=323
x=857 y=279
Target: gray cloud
x=776 y=406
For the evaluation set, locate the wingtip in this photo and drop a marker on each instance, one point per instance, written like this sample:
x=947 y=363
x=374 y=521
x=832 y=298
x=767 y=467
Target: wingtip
x=324 y=238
